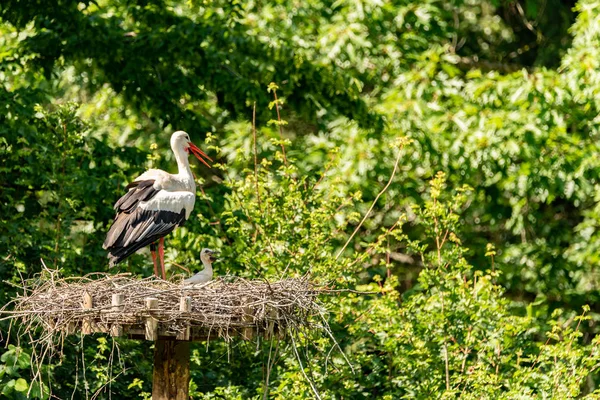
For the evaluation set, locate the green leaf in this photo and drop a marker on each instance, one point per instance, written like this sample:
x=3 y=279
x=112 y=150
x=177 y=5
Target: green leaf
x=21 y=385
x=8 y=387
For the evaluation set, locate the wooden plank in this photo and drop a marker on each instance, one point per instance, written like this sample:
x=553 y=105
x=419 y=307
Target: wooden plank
x=185 y=305
x=171 y=375
x=117 y=305
x=197 y=334
x=151 y=322
x=88 y=303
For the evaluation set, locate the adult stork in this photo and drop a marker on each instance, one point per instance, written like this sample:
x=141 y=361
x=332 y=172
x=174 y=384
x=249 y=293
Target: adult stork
x=156 y=203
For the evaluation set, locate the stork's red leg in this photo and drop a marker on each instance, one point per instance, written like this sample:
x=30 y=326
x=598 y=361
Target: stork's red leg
x=153 y=253
x=161 y=254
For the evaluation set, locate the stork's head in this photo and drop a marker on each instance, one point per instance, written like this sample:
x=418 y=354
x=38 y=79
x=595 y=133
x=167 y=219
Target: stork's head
x=208 y=256
x=180 y=142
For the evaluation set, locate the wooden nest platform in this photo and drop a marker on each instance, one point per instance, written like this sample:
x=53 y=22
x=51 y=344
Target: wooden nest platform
x=152 y=309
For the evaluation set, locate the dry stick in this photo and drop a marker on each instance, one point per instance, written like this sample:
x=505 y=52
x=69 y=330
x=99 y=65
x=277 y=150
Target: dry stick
x=308 y=358
x=255 y=152
x=186 y=269
x=266 y=386
x=322 y=177
x=109 y=383
x=274 y=356
x=119 y=358
x=76 y=378
x=446 y=361
x=373 y=204
x=38 y=361
x=212 y=213
x=335 y=343
x=85 y=382
x=60 y=196
x=312 y=386
x=446 y=366
x=10 y=325
x=257 y=227
x=68 y=297
x=110 y=375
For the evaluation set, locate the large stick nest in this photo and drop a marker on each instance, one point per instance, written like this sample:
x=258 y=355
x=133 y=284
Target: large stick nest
x=219 y=308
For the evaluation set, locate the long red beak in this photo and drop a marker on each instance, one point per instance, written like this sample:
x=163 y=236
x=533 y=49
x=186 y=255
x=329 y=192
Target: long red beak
x=200 y=155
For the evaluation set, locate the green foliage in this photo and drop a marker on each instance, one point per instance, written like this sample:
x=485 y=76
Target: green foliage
x=57 y=175
x=468 y=283
x=14 y=376
x=454 y=335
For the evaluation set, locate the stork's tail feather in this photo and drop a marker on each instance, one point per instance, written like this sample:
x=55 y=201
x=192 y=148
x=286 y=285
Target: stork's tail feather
x=112 y=260
x=118 y=254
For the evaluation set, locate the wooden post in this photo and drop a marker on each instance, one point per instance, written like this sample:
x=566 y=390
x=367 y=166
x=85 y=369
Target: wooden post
x=247 y=332
x=171 y=376
x=117 y=305
x=185 y=305
x=88 y=303
x=70 y=328
x=151 y=322
x=271 y=317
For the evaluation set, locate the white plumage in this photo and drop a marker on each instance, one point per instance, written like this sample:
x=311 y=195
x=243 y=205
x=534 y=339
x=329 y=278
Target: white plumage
x=157 y=202
x=207 y=256
x=171 y=201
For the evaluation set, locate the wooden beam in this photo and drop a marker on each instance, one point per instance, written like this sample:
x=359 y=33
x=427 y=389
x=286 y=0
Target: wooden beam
x=171 y=376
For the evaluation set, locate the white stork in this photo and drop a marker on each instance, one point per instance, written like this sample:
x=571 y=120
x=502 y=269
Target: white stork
x=157 y=202
x=207 y=256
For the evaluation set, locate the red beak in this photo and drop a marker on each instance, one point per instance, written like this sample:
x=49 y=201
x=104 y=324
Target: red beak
x=200 y=155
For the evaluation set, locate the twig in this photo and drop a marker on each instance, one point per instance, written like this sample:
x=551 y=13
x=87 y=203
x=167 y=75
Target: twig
x=60 y=196
x=312 y=386
x=373 y=204
x=280 y=127
x=51 y=309
x=255 y=156
x=54 y=305
x=266 y=385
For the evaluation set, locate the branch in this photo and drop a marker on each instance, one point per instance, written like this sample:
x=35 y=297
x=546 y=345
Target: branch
x=374 y=201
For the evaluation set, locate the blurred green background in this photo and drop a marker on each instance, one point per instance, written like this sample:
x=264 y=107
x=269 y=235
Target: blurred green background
x=487 y=274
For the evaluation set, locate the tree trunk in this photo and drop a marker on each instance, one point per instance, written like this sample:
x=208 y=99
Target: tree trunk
x=171 y=377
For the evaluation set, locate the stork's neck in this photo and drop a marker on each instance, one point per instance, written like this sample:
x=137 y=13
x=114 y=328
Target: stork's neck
x=207 y=266
x=184 y=170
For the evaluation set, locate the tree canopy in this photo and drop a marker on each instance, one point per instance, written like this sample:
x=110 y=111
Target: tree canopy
x=441 y=159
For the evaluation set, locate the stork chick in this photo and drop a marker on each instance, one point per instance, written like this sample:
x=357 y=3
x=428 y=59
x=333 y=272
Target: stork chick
x=207 y=256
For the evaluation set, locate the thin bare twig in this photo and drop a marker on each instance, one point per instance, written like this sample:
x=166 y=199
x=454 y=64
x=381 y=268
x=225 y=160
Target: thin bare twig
x=373 y=204
x=255 y=156
x=312 y=386
x=280 y=127
x=51 y=308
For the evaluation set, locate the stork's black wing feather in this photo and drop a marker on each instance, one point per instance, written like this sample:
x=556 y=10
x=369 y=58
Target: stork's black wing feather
x=138 y=191
x=132 y=231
